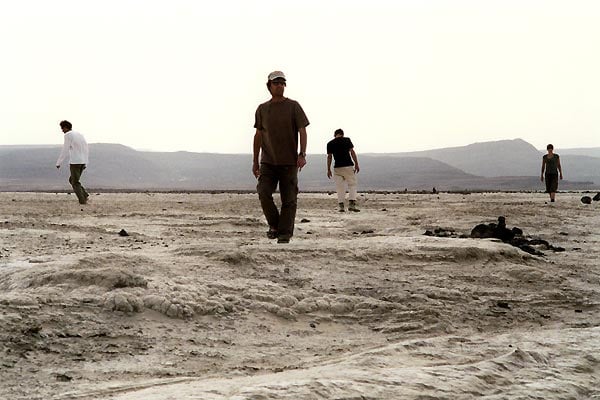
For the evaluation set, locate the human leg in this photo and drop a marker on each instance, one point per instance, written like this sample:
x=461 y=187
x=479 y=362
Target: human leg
x=267 y=183
x=74 y=180
x=352 y=185
x=340 y=184
x=350 y=180
x=551 y=185
x=288 y=189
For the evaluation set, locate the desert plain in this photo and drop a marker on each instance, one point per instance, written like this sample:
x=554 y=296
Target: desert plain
x=196 y=303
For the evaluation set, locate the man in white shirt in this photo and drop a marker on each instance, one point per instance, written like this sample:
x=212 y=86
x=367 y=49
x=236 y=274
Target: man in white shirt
x=77 y=149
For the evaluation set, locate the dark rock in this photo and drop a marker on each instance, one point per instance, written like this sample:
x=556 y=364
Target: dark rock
x=504 y=234
x=596 y=197
x=540 y=242
x=483 y=231
x=445 y=232
x=512 y=236
x=518 y=241
x=63 y=378
x=428 y=233
x=32 y=330
x=501 y=222
x=367 y=231
x=304 y=220
x=586 y=200
x=123 y=232
x=501 y=232
x=503 y=304
x=531 y=250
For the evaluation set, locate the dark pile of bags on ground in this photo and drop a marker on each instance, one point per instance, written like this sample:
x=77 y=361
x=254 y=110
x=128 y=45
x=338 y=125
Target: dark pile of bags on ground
x=513 y=236
x=588 y=199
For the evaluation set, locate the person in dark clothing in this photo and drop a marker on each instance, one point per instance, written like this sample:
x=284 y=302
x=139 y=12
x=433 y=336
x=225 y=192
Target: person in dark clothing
x=345 y=169
x=280 y=127
x=551 y=171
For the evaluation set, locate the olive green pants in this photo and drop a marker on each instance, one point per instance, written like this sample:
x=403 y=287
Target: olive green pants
x=76 y=171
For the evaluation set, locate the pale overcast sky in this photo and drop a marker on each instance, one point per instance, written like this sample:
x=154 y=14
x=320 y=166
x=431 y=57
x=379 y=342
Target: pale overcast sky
x=395 y=75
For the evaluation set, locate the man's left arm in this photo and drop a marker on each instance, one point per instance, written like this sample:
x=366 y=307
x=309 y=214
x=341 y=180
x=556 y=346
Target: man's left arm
x=355 y=159
x=302 y=158
x=559 y=168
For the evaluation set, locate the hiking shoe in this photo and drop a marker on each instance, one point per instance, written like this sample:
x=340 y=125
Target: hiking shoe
x=352 y=206
x=341 y=207
x=283 y=239
x=272 y=234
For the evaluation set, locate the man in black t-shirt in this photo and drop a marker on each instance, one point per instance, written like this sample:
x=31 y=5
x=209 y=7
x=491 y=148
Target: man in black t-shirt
x=345 y=169
x=551 y=171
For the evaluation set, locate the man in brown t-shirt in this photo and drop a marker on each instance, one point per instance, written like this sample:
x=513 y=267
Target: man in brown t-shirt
x=279 y=123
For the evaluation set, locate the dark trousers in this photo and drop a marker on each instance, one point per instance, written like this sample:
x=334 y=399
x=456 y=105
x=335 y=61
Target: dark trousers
x=551 y=183
x=76 y=171
x=287 y=178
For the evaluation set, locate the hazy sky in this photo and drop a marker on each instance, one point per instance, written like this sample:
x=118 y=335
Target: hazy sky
x=395 y=75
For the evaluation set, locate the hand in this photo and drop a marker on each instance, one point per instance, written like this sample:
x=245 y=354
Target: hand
x=356 y=169
x=301 y=162
x=542 y=178
x=329 y=173
x=256 y=170
x=561 y=177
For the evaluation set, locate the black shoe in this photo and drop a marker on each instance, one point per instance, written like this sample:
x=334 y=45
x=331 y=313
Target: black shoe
x=283 y=239
x=271 y=234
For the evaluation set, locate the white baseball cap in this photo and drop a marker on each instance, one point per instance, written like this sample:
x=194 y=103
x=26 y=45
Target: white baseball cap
x=275 y=75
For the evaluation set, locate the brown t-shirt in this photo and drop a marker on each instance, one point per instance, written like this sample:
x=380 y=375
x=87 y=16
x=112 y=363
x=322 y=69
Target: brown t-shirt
x=279 y=123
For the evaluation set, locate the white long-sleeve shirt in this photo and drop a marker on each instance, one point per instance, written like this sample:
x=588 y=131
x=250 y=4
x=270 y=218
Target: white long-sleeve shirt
x=76 y=147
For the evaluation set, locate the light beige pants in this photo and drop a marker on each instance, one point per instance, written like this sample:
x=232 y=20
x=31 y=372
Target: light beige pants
x=345 y=176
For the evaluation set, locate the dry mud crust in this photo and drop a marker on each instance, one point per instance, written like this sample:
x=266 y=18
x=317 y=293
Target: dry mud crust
x=198 y=303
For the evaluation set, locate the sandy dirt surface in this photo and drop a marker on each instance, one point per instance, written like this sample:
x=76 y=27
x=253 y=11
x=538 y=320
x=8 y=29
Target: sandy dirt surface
x=196 y=303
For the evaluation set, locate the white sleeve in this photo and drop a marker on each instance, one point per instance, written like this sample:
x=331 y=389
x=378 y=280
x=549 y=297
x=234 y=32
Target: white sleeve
x=64 y=151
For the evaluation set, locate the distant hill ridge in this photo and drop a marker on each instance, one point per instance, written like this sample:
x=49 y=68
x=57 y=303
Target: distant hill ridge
x=500 y=165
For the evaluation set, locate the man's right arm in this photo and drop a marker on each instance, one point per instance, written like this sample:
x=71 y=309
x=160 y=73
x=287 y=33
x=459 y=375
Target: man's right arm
x=355 y=159
x=255 y=152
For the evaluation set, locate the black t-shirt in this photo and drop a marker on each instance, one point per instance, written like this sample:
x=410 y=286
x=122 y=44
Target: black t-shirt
x=551 y=164
x=340 y=148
